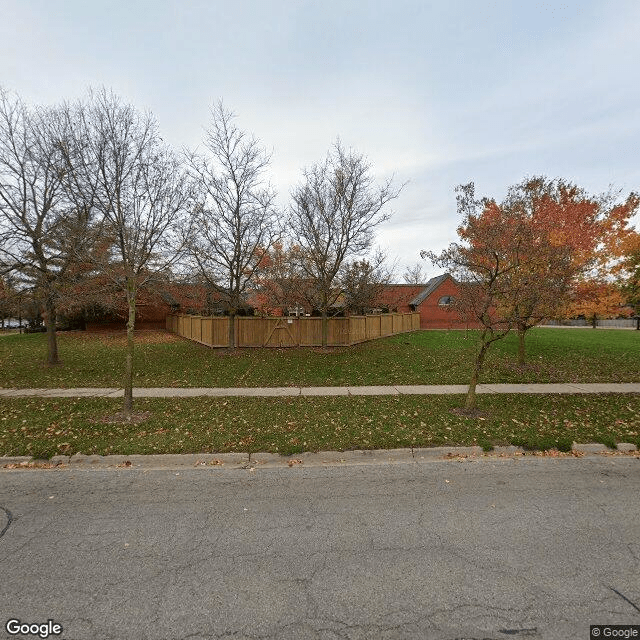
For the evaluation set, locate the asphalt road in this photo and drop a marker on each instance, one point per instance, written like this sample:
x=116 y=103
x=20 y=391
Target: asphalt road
x=528 y=548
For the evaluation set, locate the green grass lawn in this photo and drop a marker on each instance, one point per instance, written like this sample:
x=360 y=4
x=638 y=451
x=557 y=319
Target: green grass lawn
x=425 y=357
x=46 y=427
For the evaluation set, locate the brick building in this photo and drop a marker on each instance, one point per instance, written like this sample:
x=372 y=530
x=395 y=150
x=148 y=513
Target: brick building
x=433 y=300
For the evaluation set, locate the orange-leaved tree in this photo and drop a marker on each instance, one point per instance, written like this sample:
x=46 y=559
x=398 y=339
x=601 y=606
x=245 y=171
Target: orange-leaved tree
x=518 y=261
x=279 y=283
x=7 y=299
x=486 y=264
x=596 y=298
x=595 y=294
x=562 y=228
x=628 y=270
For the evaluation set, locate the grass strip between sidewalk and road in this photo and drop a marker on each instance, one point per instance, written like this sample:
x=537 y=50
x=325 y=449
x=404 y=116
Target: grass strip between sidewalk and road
x=45 y=427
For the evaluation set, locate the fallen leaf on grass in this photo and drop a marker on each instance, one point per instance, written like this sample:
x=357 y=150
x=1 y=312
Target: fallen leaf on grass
x=123 y=418
x=118 y=337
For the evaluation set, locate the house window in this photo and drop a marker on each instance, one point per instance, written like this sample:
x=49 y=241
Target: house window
x=445 y=301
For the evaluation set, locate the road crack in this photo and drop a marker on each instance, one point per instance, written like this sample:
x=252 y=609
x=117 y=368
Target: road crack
x=633 y=604
x=9 y=520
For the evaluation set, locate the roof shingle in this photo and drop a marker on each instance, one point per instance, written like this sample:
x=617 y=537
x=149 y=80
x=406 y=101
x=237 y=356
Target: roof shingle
x=430 y=287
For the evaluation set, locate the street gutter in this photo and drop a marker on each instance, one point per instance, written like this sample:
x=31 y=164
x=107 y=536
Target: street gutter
x=263 y=460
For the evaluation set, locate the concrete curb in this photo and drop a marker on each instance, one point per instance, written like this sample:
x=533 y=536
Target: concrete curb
x=265 y=460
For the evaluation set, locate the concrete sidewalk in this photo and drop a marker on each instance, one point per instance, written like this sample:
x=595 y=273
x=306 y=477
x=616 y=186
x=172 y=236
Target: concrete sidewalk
x=271 y=392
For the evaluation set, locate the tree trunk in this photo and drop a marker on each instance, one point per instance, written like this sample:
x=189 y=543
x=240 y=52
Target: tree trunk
x=232 y=328
x=521 y=352
x=52 y=338
x=325 y=328
x=127 y=407
x=470 y=404
x=594 y=321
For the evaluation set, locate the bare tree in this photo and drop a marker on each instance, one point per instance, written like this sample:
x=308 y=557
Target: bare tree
x=119 y=166
x=40 y=229
x=414 y=274
x=334 y=214
x=236 y=220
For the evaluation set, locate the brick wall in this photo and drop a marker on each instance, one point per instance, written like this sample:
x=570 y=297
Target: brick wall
x=435 y=316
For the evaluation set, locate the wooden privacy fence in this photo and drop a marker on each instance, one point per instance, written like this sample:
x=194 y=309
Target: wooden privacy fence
x=291 y=332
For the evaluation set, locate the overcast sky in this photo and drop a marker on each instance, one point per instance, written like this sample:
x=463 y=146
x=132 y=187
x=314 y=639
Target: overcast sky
x=437 y=93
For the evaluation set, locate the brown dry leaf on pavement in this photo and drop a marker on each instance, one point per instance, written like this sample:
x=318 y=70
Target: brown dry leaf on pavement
x=33 y=464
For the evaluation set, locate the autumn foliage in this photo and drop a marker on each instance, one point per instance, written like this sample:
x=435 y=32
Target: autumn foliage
x=279 y=283
x=595 y=299
x=543 y=250
x=628 y=270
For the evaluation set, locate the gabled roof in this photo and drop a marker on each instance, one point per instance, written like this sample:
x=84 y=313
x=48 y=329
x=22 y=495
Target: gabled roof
x=430 y=287
x=398 y=294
